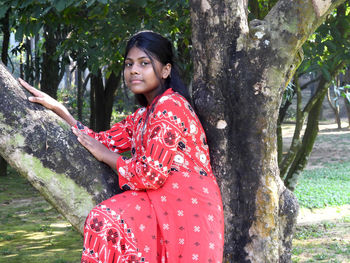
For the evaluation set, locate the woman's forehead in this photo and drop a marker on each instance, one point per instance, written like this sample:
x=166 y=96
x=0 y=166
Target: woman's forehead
x=136 y=53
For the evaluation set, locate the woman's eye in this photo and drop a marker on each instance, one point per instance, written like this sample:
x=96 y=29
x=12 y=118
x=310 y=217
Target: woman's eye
x=128 y=64
x=144 y=63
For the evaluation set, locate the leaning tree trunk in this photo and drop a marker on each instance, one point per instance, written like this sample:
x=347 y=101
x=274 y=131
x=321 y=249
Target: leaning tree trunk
x=43 y=149
x=240 y=73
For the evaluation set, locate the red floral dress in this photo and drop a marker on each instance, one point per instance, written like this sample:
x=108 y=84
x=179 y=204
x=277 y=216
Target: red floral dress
x=171 y=210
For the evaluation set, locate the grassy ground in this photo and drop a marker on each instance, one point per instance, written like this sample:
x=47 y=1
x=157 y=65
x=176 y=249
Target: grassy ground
x=323 y=230
x=32 y=231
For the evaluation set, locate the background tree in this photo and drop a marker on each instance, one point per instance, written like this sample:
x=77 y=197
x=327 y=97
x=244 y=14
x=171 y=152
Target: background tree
x=327 y=53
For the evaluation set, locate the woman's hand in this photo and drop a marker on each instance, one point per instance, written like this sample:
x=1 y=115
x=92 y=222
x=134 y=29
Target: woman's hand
x=48 y=102
x=40 y=97
x=96 y=148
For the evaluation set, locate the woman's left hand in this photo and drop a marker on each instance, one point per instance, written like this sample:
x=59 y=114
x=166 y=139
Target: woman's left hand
x=96 y=148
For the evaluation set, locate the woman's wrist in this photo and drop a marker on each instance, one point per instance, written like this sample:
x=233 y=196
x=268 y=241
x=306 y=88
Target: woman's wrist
x=62 y=111
x=110 y=158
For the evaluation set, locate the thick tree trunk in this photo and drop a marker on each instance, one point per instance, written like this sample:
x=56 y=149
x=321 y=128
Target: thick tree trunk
x=42 y=148
x=240 y=72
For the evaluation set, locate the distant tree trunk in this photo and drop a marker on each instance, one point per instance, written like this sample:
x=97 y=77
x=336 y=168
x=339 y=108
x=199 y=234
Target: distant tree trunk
x=29 y=65
x=296 y=159
x=21 y=65
x=347 y=106
x=50 y=70
x=80 y=91
x=305 y=147
x=37 y=60
x=335 y=108
x=93 y=85
x=103 y=99
x=5 y=27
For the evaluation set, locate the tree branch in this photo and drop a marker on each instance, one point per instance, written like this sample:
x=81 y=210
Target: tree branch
x=291 y=22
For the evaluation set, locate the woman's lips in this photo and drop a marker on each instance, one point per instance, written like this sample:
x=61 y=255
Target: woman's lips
x=133 y=81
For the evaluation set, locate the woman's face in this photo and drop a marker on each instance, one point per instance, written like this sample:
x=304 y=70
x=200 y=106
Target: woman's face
x=141 y=77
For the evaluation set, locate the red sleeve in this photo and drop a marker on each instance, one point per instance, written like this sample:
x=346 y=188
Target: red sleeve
x=164 y=131
x=118 y=138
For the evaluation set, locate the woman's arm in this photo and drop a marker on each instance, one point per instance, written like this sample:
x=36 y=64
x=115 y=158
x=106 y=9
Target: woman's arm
x=97 y=149
x=48 y=102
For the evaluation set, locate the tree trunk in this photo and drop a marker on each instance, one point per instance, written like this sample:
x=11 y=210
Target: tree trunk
x=28 y=66
x=50 y=64
x=103 y=99
x=40 y=145
x=347 y=106
x=93 y=115
x=37 y=60
x=240 y=72
x=5 y=26
x=80 y=93
x=335 y=108
x=304 y=152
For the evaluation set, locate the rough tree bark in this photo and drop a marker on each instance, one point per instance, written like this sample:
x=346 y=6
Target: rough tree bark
x=240 y=72
x=43 y=149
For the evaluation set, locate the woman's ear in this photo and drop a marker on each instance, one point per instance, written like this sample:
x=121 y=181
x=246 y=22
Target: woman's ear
x=166 y=71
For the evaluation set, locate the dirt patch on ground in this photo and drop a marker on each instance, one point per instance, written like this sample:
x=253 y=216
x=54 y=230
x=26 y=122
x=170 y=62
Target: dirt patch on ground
x=316 y=216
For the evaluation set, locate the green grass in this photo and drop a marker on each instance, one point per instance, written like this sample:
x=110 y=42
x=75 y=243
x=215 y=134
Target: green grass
x=323 y=187
x=31 y=230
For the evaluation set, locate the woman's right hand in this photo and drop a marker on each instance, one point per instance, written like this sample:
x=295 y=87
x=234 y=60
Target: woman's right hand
x=41 y=97
x=48 y=102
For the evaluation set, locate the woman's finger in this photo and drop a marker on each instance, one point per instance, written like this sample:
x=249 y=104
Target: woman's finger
x=31 y=89
x=36 y=100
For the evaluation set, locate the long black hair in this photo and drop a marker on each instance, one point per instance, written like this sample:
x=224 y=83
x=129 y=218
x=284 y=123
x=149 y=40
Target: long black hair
x=157 y=47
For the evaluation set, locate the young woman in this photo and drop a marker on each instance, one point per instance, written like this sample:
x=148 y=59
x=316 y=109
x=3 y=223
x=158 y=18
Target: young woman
x=171 y=210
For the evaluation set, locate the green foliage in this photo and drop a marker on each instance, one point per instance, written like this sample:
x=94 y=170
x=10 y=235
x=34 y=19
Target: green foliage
x=259 y=8
x=323 y=187
x=329 y=47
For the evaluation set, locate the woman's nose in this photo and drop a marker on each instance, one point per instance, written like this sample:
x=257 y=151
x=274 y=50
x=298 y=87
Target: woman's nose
x=134 y=70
